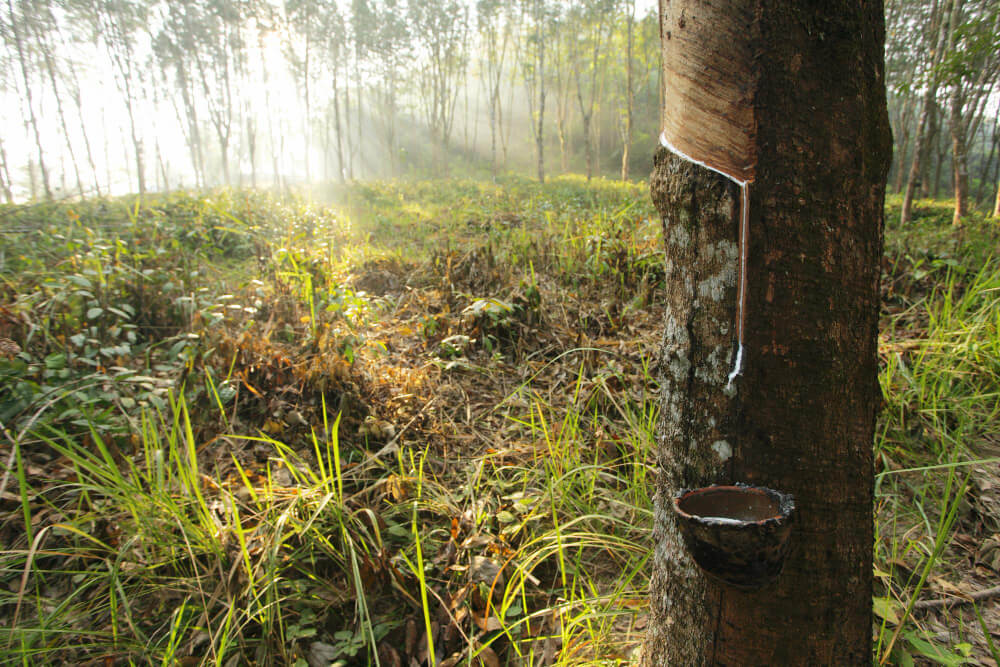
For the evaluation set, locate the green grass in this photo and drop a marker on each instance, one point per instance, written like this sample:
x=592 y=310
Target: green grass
x=414 y=420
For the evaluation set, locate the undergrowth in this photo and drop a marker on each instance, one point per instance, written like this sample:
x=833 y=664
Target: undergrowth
x=414 y=423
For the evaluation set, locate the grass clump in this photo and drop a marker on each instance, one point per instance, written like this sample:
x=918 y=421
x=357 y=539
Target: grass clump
x=937 y=449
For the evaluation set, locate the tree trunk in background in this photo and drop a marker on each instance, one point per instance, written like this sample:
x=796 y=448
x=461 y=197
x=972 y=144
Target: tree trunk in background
x=42 y=43
x=307 y=117
x=959 y=158
x=494 y=120
x=15 y=27
x=540 y=74
x=32 y=180
x=811 y=320
x=940 y=153
x=536 y=87
x=926 y=109
x=137 y=148
x=926 y=160
x=5 y=181
x=629 y=92
x=361 y=127
x=341 y=166
x=981 y=189
x=996 y=203
x=163 y=169
x=73 y=84
x=251 y=132
x=902 y=146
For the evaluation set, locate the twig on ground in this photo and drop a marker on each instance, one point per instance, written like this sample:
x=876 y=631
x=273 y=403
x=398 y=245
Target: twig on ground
x=986 y=594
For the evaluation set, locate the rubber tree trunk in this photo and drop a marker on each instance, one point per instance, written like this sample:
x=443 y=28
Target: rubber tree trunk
x=801 y=416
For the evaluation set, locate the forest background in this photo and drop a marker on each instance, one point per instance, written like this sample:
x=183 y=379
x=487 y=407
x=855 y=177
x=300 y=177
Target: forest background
x=125 y=96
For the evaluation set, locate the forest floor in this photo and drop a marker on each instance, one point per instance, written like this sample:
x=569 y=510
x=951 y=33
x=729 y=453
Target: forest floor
x=412 y=418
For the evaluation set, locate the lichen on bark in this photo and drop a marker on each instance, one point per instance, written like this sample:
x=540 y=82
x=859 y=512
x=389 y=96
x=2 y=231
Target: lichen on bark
x=699 y=211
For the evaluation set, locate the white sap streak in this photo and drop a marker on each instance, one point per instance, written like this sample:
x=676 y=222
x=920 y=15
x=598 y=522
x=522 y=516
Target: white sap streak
x=681 y=154
x=744 y=233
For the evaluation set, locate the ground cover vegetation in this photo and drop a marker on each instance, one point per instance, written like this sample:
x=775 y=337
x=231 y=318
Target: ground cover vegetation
x=410 y=423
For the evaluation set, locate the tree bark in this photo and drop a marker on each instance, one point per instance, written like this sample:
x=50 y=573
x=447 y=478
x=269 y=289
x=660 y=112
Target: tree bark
x=810 y=321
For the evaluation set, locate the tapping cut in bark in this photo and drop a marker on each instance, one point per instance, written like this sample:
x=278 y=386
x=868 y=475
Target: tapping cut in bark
x=708 y=117
x=708 y=114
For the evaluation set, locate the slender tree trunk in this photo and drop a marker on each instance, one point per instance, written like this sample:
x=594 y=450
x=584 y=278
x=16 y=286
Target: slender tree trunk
x=163 y=169
x=813 y=252
x=505 y=128
x=251 y=131
x=598 y=132
x=504 y=136
x=540 y=132
x=629 y=92
x=981 y=189
x=926 y=160
x=326 y=144
x=959 y=160
x=494 y=102
x=465 y=122
x=56 y=93
x=996 y=202
x=5 y=182
x=15 y=26
x=475 y=116
x=107 y=148
x=137 y=147
x=361 y=126
x=540 y=74
x=902 y=144
x=307 y=118
x=940 y=153
x=930 y=99
x=390 y=135
x=347 y=123
x=127 y=162
x=78 y=102
x=157 y=184
x=77 y=97
x=272 y=138
x=337 y=129
x=32 y=180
